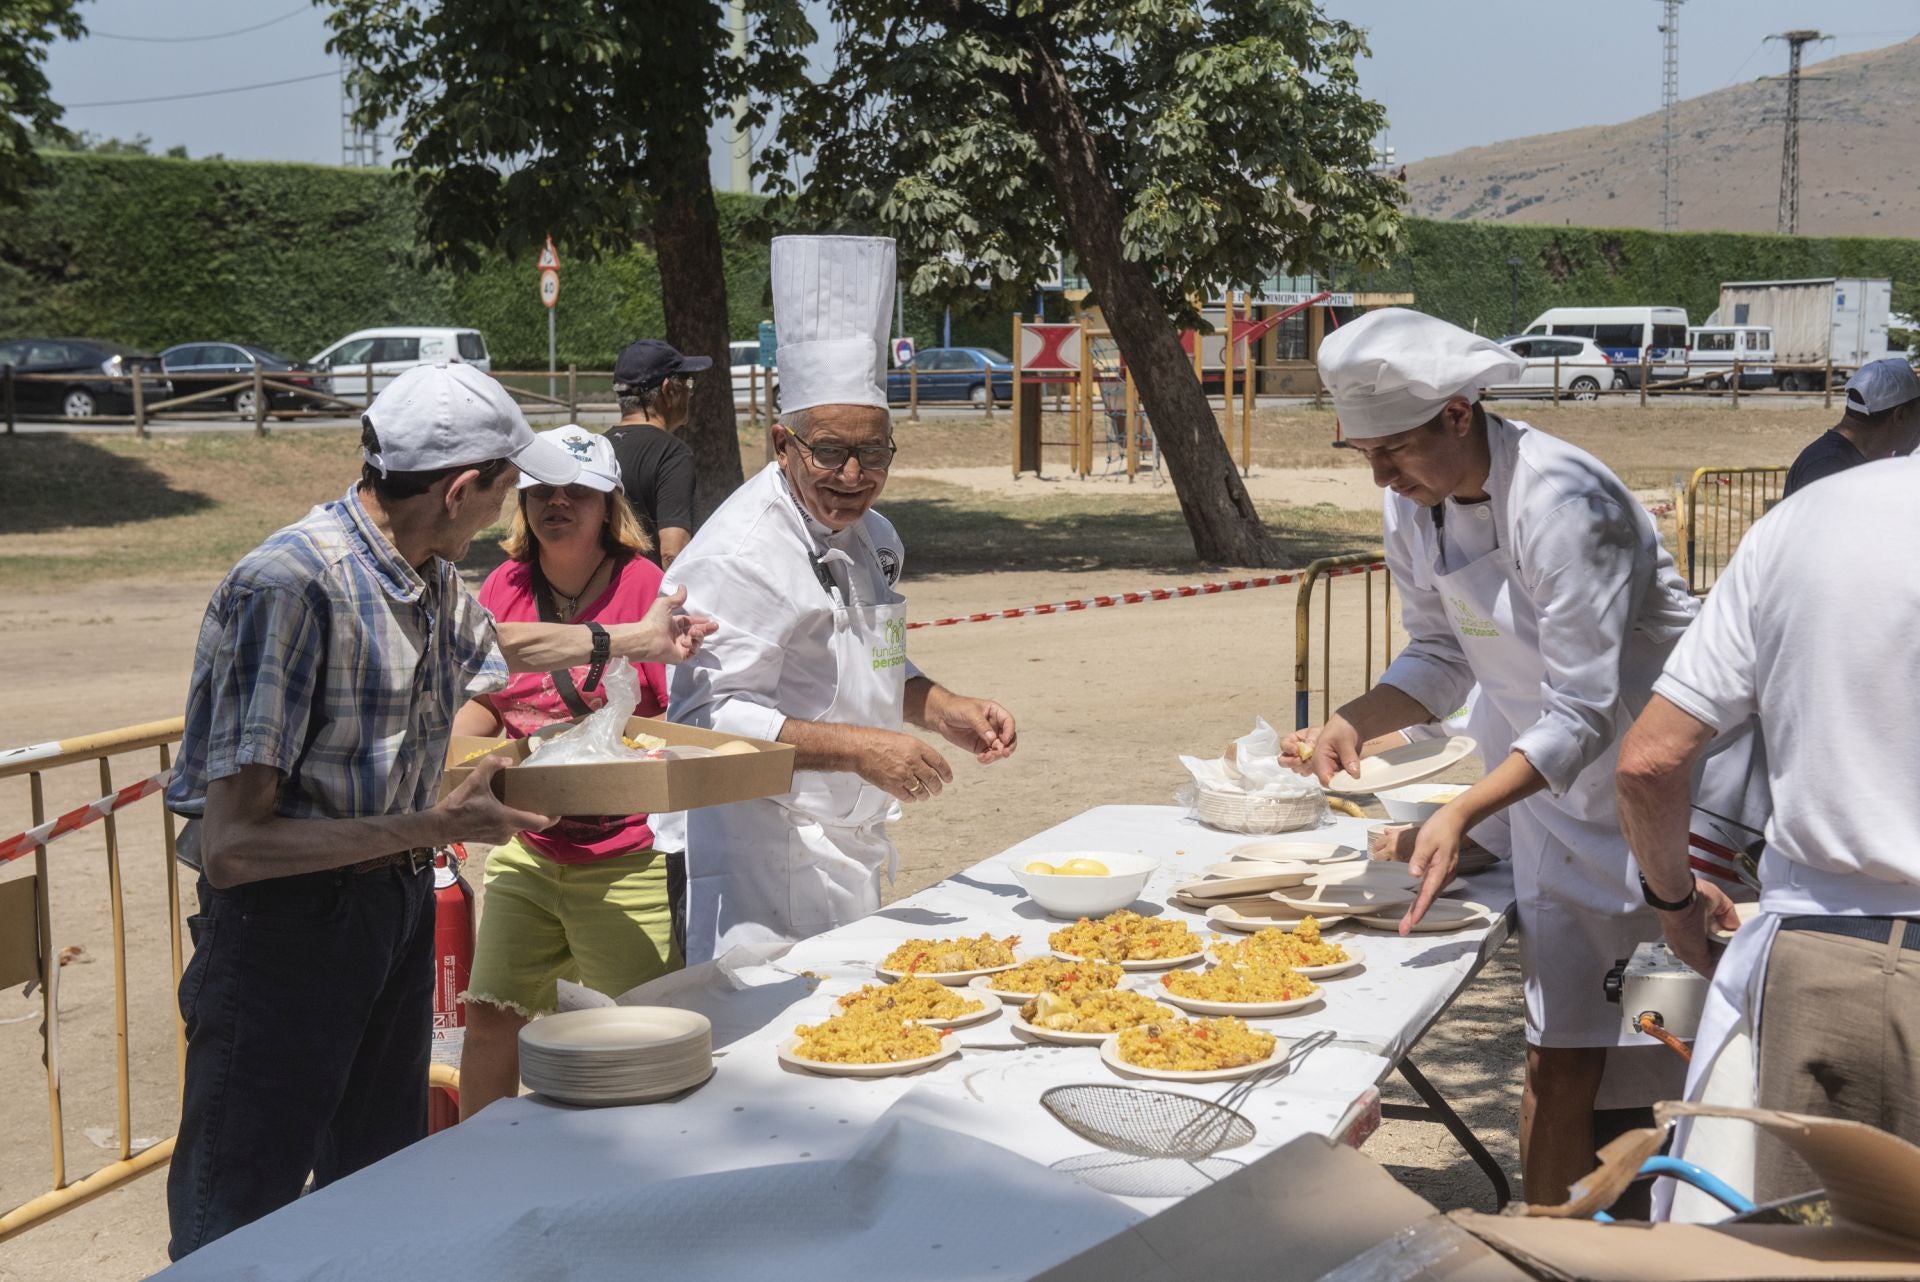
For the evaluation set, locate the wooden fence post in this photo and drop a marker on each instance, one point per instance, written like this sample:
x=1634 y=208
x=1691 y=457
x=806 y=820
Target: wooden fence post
x=8 y=376
x=573 y=391
x=1827 y=384
x=913 y=390
x=1736 y=382
x=139 y=405
x=1644 y=374
x=369 y=368
x=1556 y=378
x=259 y=401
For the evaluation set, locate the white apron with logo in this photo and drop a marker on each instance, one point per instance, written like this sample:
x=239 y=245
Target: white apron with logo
x=784 y=868
x=1579 y=903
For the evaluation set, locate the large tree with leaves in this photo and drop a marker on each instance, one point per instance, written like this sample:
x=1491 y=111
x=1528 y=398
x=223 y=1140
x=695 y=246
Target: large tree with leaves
x=1175 y=146
x=28 y=113
x=586 y=120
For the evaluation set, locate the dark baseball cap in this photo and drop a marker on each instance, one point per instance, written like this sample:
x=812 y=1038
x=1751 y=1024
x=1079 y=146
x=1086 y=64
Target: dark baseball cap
x=651 y=361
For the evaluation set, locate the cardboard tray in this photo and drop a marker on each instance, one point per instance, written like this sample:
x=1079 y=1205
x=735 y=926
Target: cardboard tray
x=632 y=787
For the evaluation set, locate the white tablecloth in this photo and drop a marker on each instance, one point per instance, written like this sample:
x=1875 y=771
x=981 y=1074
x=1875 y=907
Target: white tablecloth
x=948 y=1173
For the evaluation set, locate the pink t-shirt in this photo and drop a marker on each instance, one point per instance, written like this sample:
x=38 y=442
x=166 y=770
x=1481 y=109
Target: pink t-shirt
x=531 y=702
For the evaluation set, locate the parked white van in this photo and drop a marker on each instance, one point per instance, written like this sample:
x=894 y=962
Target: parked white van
x=1623 y=333
x=1721 y=345
x=393 y=350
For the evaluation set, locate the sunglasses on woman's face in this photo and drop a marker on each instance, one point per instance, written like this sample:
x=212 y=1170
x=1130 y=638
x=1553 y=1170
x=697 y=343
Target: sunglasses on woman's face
x=576 y=492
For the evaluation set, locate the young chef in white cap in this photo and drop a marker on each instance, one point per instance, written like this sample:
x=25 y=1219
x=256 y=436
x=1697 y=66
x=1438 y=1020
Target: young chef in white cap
x=812 y=647
x=1815 y=1006
x=1528 y=567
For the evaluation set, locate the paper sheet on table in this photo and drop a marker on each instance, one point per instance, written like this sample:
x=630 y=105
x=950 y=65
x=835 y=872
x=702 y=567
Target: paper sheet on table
x=915 y=1202
x=740 y=991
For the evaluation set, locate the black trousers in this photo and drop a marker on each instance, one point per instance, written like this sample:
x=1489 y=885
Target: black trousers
x=309 y=1007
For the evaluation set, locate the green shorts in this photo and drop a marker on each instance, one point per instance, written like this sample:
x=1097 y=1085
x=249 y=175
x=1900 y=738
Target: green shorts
x=605 y=924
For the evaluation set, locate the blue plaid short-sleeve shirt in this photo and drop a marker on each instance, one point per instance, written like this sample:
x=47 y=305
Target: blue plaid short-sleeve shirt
x=327 y=657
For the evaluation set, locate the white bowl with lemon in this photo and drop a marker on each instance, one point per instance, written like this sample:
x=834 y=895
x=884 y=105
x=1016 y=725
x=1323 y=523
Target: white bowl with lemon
x=1076 y=884
x=1418 y=802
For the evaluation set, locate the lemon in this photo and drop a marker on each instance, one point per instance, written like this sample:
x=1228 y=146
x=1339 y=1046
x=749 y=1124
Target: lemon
x=1039 y=867
x=1084 y=868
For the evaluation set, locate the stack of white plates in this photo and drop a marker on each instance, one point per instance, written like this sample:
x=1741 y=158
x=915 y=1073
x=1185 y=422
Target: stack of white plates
x=616 y=1054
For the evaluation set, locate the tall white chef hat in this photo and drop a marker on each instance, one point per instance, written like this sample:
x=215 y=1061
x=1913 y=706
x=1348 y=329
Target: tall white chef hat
x=1391 y=370
x=832 y=312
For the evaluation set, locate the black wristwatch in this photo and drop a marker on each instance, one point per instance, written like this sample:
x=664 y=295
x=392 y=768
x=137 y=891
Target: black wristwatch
x=1667 y=905
x=597 y=662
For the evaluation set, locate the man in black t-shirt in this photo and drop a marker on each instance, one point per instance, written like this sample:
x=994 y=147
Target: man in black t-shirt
x=654 y=384
x=1882 y=420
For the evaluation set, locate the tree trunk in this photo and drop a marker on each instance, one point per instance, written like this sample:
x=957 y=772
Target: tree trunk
x=1225 y=527
x=693 y=292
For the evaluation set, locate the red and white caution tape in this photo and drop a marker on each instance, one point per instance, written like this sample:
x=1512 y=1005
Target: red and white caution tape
x=1148 y=594
x=74 y=820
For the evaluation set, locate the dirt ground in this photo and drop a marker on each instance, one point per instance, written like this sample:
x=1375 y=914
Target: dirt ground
x=109 y=574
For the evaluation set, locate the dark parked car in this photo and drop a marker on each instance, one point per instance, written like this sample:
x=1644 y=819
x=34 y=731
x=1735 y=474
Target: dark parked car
x=954 y=374
x=86 y=365
x=234 y=361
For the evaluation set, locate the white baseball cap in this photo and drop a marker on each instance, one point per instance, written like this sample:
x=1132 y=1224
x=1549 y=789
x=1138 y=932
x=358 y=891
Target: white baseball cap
x=442 y=415
x=1393 y=369
x=599 y=470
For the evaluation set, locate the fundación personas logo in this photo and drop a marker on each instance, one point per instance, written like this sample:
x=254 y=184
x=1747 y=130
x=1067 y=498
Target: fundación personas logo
x=1468 y=620
x=891 y=652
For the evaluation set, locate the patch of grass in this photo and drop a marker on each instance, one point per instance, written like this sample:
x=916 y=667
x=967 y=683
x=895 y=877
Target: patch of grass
x=77 y=507
x=951 y=529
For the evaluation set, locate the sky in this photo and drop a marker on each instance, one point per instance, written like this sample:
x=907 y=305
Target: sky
x=1452 y=73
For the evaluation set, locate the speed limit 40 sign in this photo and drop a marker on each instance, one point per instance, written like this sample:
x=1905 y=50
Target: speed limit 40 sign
x=549 y=287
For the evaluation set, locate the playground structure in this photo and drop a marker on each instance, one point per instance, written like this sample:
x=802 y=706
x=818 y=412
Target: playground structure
x=1256 y=343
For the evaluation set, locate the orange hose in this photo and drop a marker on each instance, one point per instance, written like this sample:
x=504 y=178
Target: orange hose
x=1646 y=1024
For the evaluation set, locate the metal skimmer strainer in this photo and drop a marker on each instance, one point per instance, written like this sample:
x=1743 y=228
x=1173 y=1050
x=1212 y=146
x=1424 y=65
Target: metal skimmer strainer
x=1154 y=1123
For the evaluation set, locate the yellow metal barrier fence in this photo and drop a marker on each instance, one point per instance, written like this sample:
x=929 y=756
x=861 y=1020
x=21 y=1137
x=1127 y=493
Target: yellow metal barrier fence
x=28 y=955
x=1720 y=506
x=1378 y=629
x=34 y=763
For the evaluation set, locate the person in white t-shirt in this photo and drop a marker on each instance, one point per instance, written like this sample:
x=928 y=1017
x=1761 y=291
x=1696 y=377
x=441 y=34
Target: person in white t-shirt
x=1815 y=1006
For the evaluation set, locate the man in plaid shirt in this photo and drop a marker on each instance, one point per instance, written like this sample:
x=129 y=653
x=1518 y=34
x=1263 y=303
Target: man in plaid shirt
x=325 y=680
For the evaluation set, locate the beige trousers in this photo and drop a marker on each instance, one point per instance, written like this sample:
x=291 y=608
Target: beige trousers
x=1840 y=1037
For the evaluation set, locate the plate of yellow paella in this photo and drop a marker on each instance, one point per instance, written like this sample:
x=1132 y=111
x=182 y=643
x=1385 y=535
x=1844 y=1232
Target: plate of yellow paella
x=1088 y=1018
x=1183 y=1050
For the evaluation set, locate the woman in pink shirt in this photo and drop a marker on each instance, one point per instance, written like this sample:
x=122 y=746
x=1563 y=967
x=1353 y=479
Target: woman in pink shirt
x=588 y=899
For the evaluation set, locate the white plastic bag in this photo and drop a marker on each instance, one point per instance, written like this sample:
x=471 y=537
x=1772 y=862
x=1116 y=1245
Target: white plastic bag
x=1253 y=768
x=597 y=736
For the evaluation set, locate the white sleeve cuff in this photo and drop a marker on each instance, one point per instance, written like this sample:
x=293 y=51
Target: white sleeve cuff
x=1555 y=756
x=747 y=719
x=1697 y=705
x=1434 y=686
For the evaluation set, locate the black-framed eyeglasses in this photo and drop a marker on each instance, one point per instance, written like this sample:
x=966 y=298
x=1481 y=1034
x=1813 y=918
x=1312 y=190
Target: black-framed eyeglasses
x=576 y=492
x=831 y=458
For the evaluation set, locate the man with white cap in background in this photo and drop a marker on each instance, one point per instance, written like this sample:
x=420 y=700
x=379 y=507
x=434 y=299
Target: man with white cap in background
x=1527 y=567
x=1882 y=420
x=800 y=572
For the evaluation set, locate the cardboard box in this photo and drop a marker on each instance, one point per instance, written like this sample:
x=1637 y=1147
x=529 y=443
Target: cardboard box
x=1306 y=1210
x=1872 y=1181
x=1313 y=1210
x=632 y=787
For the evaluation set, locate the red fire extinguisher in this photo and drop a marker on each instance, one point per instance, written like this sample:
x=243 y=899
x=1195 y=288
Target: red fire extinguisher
x=453 y=926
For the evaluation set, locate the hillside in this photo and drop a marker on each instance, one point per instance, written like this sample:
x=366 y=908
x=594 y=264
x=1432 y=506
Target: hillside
x=1859 y=160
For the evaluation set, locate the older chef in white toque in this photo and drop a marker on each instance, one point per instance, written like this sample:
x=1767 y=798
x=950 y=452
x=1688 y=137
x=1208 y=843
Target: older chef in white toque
x=799 y=570
x=1527 y=567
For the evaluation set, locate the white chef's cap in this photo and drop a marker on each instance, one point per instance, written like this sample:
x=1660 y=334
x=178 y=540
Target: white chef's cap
x=832 y=313
x=1391 y=370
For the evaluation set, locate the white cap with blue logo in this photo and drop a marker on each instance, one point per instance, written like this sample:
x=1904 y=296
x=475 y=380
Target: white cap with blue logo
x=599 y=469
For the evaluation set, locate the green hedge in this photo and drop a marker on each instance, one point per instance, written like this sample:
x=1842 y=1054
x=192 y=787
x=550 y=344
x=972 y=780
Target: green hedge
x=154 y=251
x=1459 y=269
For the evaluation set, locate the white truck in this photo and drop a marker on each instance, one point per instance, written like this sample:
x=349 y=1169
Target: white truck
x=1838 y=319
